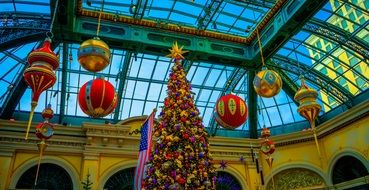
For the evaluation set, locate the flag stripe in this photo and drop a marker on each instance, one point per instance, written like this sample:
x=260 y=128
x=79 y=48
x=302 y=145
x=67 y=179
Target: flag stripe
x=144 y=151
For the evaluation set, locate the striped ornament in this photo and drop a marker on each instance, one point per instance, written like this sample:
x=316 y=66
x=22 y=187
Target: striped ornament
x=97 y=98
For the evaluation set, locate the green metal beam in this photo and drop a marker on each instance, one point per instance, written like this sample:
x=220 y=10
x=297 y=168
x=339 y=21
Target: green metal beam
x=122 y=81
x=139 y=11
x=157 y=39
x=285 y=24
x=314 y=76
x=324 y=56
x=64 y=79
x=187 y=65
x=16 y=93
x=210 y=9
x=252 y=104
x=14 y=96
x=338 y=35
x=15 y=57
x=339 y=31
x=259 y=3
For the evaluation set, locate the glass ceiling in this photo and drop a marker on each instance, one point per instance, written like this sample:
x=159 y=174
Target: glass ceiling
x=225 y=16
x=332 y=58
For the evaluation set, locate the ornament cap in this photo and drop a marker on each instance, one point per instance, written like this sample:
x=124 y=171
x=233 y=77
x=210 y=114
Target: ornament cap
x=305 y=92
x=45 y=55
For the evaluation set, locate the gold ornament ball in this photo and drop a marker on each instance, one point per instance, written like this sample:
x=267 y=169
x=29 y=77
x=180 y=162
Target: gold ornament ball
x=94 y=55
x=267 y=83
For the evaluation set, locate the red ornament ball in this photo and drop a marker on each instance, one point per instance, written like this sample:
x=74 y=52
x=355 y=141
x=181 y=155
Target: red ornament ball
x=230 y=111
x=97 y=98
x=44 y=130
x=265 y=133
x=47 y=113
x=267 y=147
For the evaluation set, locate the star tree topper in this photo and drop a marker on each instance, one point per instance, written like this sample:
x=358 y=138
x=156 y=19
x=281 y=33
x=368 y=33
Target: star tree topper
x=176 y=52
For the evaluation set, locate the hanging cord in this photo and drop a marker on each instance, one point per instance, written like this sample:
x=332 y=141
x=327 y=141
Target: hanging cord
x=260 y=48
x=259 y=42
x=228 y=81
x=50 y=32
x=297 y=59
x=51 y=95
x=99 y=21
x=262 y=111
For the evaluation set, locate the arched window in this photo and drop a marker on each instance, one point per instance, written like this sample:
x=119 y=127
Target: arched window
x=347 y=168
x=226 y=181
x=122 y=180
x=51 y=177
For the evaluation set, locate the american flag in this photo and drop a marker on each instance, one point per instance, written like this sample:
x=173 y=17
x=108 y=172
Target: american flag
x=144 y=153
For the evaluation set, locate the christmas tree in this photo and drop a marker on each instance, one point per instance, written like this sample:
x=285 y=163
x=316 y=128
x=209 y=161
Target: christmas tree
x=180 y=157
x=86 y=185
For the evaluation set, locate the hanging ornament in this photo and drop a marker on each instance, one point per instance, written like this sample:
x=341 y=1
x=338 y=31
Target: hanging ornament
x=265 y=133
x=267 y=83
x=94 y=55
x=267 y=147
x=230 y=111
x=97 y=98
x=47 y=113
x=309 y=108
x=40 y=75
x=44 y=131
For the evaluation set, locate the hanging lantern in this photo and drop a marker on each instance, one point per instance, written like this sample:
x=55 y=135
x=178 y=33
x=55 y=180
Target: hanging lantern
x=97 y=98
x=230 y=111
x=309 y=108
x=267 y=83
x=40 y=75
x=94 y=55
